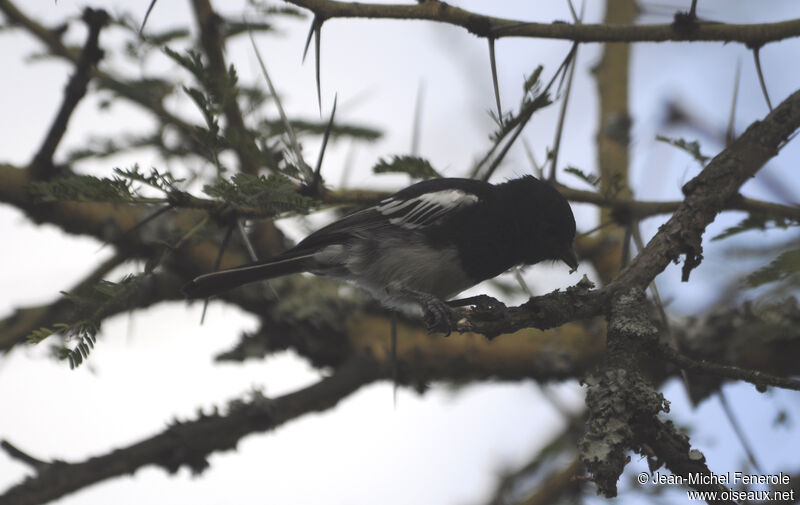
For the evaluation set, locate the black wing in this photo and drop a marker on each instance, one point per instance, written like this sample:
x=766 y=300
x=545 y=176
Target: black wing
x=421 y=205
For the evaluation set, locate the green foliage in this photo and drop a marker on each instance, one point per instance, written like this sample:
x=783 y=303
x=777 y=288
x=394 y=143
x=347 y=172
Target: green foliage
x=97 y=147
x=88 y=188
x=164 y=182
x=213 y=96
x=285 y=10
x=416 y=167
x=91 y=308
x=273 y=195
x=534 y=98
x=693 y=148
x=218 y=90
x=589 y=179
x=318 y=128
x=756 y=221
x=786 y=265
x=77 y=188
x=150 y=89
x=615 y=185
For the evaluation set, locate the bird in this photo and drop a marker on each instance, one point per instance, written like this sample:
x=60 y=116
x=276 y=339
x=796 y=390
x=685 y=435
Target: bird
x=420 y=247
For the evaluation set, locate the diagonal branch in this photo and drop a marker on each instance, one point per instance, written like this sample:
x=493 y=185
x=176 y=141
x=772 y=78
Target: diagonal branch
x=191 y=443
x=42 y=166
x=709 y=193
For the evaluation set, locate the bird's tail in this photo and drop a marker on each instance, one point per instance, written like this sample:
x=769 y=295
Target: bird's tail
x=214 y=283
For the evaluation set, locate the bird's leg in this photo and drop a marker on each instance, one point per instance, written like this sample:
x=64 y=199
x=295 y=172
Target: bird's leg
x=437 y=315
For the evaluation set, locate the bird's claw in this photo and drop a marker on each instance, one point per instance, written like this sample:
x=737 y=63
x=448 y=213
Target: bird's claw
x=438 y=316
x=485 y=308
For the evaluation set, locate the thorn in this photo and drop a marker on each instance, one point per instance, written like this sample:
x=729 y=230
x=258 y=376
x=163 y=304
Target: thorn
x=575 y=18
x=730 y=133
x=311 y=30
x=493 y=63
x=761 y=76
x=318 y=169
x=252 y=252
x=223 y=245
x=147 y=15
x=317 y=36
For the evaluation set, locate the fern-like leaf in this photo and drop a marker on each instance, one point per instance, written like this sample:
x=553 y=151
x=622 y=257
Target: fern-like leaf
x=416 y=167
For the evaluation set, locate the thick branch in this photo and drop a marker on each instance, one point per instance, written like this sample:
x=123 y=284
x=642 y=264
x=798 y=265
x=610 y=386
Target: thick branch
x=484 y=26
x=190 y=443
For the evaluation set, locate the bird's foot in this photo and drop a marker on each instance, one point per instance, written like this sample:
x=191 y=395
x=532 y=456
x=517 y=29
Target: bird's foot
x=438 y=316
x=485 y=308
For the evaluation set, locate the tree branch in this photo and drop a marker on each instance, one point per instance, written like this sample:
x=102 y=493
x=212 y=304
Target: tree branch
x=158 y=288
x=42 y=165
x=213 y=45
x=190 y=443
x=759 y=379
x=661 y=443
x=488 y=26
x=56 y=47
x=708 y=194
x=640 y=209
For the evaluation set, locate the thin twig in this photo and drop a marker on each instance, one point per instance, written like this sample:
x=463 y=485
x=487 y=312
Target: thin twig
x=563 y=114
x=737 y=428
x=286 y=123
x=760 y=379
x=20 y=455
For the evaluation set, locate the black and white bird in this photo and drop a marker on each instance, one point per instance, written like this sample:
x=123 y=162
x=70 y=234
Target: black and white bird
x=426 y=243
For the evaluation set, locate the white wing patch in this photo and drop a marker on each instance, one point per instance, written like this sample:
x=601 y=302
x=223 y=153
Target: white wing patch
x=425 y=209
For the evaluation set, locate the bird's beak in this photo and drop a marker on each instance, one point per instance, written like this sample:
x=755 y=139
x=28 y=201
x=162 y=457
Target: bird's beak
x=569 y=257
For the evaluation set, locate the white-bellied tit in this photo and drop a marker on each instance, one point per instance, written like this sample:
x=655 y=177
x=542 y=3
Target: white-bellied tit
x=426 y=243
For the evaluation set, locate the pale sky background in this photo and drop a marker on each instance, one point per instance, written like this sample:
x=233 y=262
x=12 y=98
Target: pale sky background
x=441 y=448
